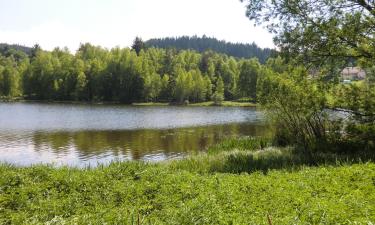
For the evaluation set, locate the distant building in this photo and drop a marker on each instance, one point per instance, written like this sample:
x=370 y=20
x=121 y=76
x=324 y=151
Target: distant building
x=353 y=73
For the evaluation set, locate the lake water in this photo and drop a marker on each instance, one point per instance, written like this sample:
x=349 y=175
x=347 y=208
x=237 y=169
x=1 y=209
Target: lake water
x=82 y=135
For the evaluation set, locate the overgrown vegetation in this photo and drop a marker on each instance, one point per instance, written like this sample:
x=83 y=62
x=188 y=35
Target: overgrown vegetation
x=318 y=116
x=308 y=105
x=212 y=188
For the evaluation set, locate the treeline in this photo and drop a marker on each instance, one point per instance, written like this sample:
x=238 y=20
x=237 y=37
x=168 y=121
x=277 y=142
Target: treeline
x=7 y=49
x=204 y=43
x=126 y=75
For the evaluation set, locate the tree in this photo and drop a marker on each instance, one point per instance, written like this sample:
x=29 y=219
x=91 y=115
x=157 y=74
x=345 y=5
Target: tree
x=35 y=49
x=205 y=44
x=198 y=92
x=138 y=45
x=39 y=80
x=296 y=106
x=324 y=34
x=98 y=74
x=9 y=81
x=248 y=77
x=152 y=86
x=208 y=87
x=164 y=94
x=80 y=86
x=319 y=30
x=95 y=61
x=184 y=84
x=218 y=96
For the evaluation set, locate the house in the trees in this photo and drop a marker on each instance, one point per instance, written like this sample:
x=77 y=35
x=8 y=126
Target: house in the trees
x=353 y=73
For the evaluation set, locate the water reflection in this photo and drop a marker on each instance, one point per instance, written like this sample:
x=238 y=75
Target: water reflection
x=84 y=134
x=82 y=148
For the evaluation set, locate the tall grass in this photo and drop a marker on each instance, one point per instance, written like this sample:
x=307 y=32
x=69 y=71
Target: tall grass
x=237 y=182
x=246 y=143
x=143 y=193
x=257 y=154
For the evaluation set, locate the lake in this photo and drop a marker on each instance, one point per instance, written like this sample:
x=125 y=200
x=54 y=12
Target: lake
x=87 y=135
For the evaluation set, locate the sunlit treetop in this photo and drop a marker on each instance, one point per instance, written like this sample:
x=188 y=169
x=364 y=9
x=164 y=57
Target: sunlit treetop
x=319 y=30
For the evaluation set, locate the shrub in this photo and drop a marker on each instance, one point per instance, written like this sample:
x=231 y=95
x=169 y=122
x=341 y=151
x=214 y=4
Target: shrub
x=357 y=101
x=297 y=108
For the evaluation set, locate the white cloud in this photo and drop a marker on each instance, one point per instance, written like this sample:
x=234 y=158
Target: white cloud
x=48 y=35
x=116 y=23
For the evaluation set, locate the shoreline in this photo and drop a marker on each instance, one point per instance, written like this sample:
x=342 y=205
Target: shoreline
x=206 y=104
x=209 y=103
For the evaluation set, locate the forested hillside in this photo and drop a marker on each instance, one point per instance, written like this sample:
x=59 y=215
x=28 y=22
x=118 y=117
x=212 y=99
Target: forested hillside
x=6 y=48
x=126 y=75
x=204 y=43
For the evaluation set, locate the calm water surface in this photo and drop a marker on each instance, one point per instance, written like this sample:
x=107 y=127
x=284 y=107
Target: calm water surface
x=82 y=135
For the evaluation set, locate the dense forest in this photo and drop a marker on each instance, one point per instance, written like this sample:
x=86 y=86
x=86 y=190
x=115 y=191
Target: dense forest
x=205 y=43
x=126 y=75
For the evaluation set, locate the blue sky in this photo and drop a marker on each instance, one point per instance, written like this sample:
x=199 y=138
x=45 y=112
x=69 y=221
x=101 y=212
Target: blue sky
x=111 y=23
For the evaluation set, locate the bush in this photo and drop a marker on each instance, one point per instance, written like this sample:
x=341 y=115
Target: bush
x=318 y=117
x=296 y=106
x=358 y=102
x=217 y=98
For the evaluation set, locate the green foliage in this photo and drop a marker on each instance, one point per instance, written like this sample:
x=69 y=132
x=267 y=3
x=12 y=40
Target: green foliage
x=121 y=75
x=358 y=102
x=138 y=45
x=319 y=31
x=296 y=106
x=9 y=78
x=277 y=64
x=359 y=98
x=248 y=78
x=208 y=87
x=184 y=84
x=204 y=43
x=18 y=51
x=125 y=193
x=326 y=36
x=248 y=144
x=315 y=115
x=218 y=96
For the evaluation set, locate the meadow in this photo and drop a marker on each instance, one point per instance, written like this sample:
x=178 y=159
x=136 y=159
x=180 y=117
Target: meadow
x=237 y=182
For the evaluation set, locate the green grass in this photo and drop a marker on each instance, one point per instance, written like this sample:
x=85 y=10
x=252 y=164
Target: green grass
x=238 y=182
x=225 y=103
x=246 y=144
x=240 y=160
x=123 y=192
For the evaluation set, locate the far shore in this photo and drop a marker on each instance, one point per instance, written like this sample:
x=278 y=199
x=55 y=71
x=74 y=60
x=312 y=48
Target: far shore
x=209 y=103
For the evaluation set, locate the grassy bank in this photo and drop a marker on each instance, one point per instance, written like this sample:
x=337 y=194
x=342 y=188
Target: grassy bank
x=235 y=183
x=210 y=103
